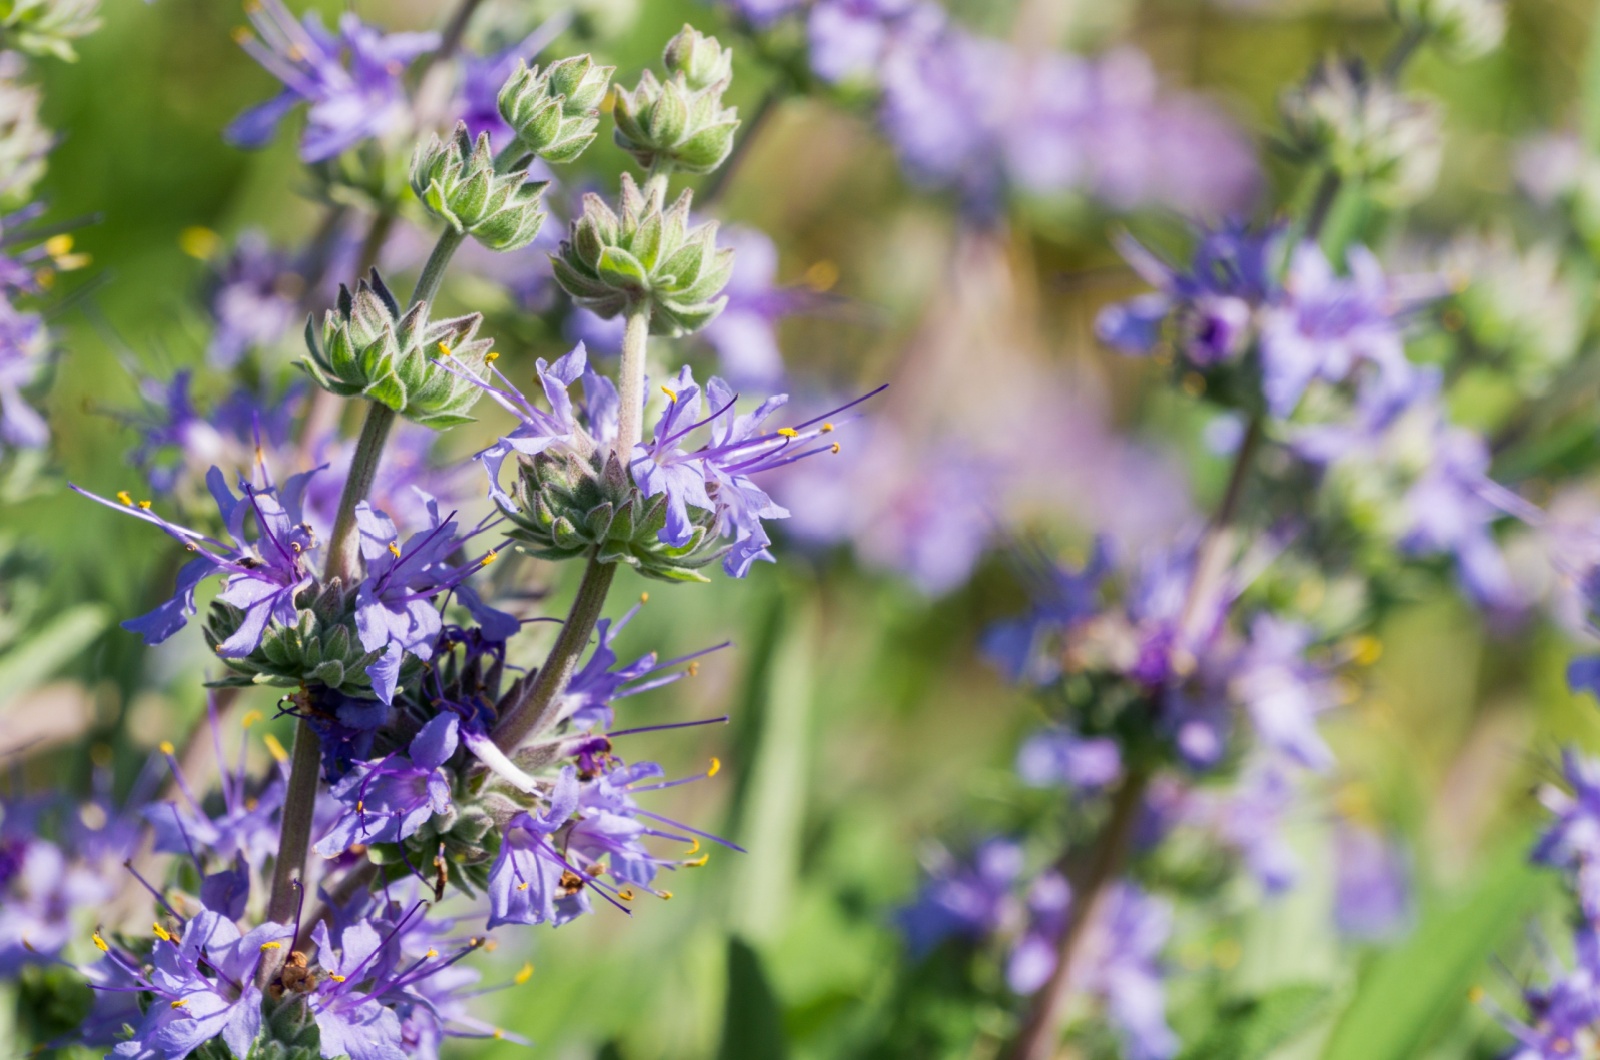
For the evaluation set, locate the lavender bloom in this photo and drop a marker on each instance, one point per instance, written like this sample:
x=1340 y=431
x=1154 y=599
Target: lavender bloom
x=22 y=346
x=762 y=13
x=176 y=439
x=530 y=882
x=1033 y=958
x=1022 y=648
x=191 y=1007
x=42 y=891
x=1372 y=899
x=263 y=576
x=851 y=39
x=246 y=828
x=964 y=902
x=1563 y=1012
x=586 y=701
x=1127 y=973
x=1283 y=692
x=408 y=485
x=388 y=799
x=539 y=430
x=1213 y=302
x=354 y=1022
x=1059 y=758
x=745 y=333
x=347 y=105
x=250 y=300
x=1573 y=841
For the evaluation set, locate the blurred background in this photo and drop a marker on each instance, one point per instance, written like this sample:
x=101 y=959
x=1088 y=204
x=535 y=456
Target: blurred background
x=865 y=723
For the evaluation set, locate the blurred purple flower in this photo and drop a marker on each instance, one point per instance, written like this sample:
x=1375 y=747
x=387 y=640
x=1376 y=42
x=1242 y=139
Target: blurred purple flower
x=22 y=346
x=1572 y=842
x=1372 y=897
x=347 y=104
x=250 y=300
x=386 y=800
x=964 y=901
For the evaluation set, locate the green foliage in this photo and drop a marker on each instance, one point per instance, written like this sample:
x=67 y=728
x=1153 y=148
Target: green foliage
x=752 y=1021
x=1253 y=1028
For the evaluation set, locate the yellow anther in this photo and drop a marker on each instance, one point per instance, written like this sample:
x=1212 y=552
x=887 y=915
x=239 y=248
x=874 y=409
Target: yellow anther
x=834 y=448
x=274 y=748
x=716 y=767
x=394 y=550
x=161 y=933
x=71 y=262
x=644 y=598
x=122 y=495
x=56 y=246
x=251 y=6
x=489 y=945
x=218 y=649
x=491 y=357
x=694 y=668
x=499 y=1035
x=100 y=943
x=431 y=953
x=295 y=53
x=144 y=505
x=444 y=349
x=694 y=847
x=697 y=862
x=361 y=806
x=336 y=978
x=242 y=35
x=182 y=1001
x=1366 y=650
x=822 y=275
x=827 y=428
x=626 y=894
x=522 y=887
x=166 y=747
x=523 y=974
x=1475 y=995
x=489 y=557
x=265 y=946
x=788 y=432
x=250 y=719
x=672 y=395
x=664 y=895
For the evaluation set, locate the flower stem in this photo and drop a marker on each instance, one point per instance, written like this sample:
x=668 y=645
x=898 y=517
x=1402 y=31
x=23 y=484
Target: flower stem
x=1041 y=1030
x=344 y=556
x=630 y=381
x=1211 y=561
x=535 y=702
x=433 y=272
x=294 y=840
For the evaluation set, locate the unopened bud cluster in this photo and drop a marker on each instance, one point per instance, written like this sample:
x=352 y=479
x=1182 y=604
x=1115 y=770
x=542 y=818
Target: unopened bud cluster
x=322 y=647
x=1365 y=130
x=555 y=113
x=1462 y=29
x=458 y=182
x=645 y=255
x=680 y=123
x=369 y=349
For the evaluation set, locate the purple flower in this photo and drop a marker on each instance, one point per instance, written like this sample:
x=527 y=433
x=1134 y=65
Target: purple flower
x=850 y=39
x=1372 y=898
x=482 y=77
x=1126 y=972
x=1024 y=649
x=347 y=104
x=353 y=1021
x=717 y=476
x=246 y=828
x=22 y=348
x=964 y=901
x=263 y=575
x=762 y=13
x=41 y=892
x=745 y=333
x=538 y=430
x=1033 y=957
x=176 y=439
x=250 y=300
x=1060 y=758
x=1573 y=841
x=530 y=882
x=408 y=483
x=1213 y=302
x=586 y=701
x=204 y=989
x=1562 y=1013
x=388 y=799
x=1282 y=692
x=1328 y=326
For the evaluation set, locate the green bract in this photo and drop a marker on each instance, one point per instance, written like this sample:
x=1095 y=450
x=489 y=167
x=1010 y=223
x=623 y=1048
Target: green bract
x=680 y=123
x=646 y=255
x=555 y=113
x=322 y=647
x=370 y=350
x=456 y=180
x=568 y=506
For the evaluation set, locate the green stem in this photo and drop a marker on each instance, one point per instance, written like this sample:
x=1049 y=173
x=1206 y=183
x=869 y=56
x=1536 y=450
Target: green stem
x=1322 y=204
x=535 y=702
x=630 y=379
x=433 y=272
x=344 y=556
x=294 y=840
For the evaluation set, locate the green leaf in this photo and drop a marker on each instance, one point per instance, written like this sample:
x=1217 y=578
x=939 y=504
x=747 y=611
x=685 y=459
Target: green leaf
x=1253 y=1029
x=752 y=1022
x=1423 y=983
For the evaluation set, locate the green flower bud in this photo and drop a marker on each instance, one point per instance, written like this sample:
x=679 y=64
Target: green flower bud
x=1462 y=29
x=680 y=124
x=47 y=27
x=1365 y=130
x=458 y=183
x=555 y=113
x=610 y=262
x=700 y=59
x=322 y=647
x=370 y=350
x=567 y=505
